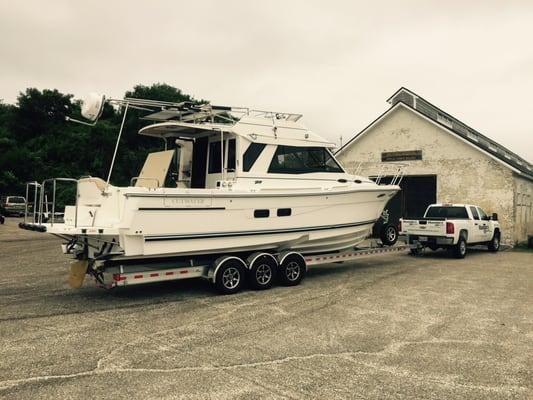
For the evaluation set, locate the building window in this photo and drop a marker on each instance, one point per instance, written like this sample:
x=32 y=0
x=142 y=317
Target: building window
x=302 y=160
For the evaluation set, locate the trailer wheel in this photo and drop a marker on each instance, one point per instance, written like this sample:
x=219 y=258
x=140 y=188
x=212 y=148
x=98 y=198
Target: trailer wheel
x=388 y=235
x=230 y=277
x=292 y=270
x=262 y=272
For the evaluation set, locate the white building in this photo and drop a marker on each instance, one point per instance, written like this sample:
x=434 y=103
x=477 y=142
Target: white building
x=445 y=161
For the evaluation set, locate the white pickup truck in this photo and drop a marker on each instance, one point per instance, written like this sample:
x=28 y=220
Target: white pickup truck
x=452 y=226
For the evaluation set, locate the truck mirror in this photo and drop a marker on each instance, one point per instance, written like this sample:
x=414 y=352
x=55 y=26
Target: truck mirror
x=494 y=217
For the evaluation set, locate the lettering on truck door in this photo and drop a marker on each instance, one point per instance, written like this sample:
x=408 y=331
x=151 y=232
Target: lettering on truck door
x=475 y=234
x=485 y=226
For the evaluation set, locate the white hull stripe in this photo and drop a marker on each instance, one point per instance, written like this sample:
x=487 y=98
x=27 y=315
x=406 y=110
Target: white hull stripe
x=253 y=233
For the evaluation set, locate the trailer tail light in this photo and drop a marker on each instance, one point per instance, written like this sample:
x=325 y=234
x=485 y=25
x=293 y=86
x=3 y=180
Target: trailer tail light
x=118 y=277
x=450 y=228
x=399 y=226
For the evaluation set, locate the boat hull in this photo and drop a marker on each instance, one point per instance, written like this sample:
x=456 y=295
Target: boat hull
x=165 y=225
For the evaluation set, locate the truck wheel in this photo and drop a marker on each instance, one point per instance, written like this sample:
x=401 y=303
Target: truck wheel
x=292 y=270
x=459 y=250
x=262 y=273
x=388 y=235
x=494 y=244
x=230 y=277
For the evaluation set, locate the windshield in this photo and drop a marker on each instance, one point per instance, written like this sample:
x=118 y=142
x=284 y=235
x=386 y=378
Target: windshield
x=18 y=200
x=447 y=212
x=301 y=160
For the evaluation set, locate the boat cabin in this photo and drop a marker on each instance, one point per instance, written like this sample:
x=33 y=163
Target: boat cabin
x=210 y=155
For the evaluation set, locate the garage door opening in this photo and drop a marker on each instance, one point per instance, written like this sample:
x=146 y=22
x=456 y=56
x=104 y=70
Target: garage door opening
x=418 y=192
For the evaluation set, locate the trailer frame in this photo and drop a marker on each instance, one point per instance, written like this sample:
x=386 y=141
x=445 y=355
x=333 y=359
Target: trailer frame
x=122 y=275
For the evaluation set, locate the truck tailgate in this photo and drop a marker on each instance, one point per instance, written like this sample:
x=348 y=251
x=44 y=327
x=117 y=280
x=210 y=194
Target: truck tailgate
x=424 y=227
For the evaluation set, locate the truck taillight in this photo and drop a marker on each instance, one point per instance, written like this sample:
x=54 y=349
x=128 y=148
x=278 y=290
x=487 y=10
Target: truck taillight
x=450 y=229
x=399 y=226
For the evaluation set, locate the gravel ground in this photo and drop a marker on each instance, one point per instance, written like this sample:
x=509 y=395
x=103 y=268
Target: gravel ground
x=395 y=326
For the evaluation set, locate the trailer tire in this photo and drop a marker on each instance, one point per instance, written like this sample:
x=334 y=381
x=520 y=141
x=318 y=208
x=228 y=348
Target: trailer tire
x=262 y=272
x=230 y=277
x=388 y=235
x=292 y=270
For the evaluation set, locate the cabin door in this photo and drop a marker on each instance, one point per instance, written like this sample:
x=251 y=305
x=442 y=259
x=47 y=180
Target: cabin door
x=221 y=163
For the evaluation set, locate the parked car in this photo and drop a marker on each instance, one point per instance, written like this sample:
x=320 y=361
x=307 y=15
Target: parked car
x=452 y=226
x=13 y=206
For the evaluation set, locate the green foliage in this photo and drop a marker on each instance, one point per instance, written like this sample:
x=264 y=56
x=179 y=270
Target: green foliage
x=36 y=141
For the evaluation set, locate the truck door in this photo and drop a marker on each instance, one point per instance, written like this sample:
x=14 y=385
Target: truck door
x=485 y=226
x=474 y=234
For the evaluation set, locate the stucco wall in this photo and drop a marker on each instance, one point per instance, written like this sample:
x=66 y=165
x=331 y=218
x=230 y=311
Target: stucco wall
x=523 y=199
x=464 y=174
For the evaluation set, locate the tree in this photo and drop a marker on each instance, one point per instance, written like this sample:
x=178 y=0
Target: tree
x=36 y=141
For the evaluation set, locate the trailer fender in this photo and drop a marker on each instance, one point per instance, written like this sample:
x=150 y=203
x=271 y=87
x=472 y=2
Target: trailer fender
x=284 y=254
x=252 y=257
x=219 y=262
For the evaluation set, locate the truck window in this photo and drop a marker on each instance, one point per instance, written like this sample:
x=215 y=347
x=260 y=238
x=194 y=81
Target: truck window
x=16 y=199
x=447 y=212
x=473 y=210
x=482 y=214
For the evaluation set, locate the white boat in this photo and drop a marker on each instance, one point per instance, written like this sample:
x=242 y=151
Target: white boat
x=230 y=180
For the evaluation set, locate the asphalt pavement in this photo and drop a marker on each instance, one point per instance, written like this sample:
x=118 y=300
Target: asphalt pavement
x=394 y=326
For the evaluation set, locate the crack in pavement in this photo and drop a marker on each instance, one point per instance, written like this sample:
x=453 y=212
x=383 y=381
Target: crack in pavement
x=348 y=356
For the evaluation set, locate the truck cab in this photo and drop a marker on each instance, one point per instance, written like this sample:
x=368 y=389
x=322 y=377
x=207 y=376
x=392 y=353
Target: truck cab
x=452 y=226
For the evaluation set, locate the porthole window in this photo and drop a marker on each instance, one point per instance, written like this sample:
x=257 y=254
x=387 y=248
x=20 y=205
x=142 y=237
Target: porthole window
x=284 y=212
x=261 y=213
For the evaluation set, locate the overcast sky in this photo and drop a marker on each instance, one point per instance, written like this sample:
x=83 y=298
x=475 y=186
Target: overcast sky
x=336 y=62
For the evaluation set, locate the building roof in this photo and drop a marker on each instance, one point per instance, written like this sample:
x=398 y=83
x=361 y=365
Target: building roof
x=416 y=103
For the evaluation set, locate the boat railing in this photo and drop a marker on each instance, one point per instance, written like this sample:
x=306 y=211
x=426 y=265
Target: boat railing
x=41 y=206
x=394 y=171
x=192 y=112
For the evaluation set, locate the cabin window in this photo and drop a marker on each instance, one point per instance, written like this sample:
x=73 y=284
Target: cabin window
x=301 y=160
x=473 y=210
x=231 y=155
x=251 y=155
